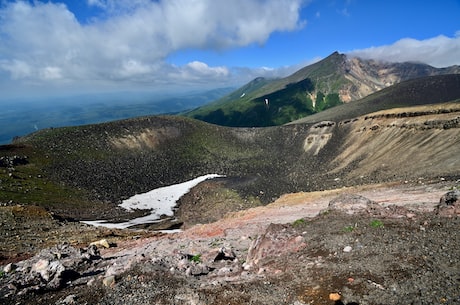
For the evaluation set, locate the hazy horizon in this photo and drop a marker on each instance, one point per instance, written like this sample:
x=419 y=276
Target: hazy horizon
x=23 y=116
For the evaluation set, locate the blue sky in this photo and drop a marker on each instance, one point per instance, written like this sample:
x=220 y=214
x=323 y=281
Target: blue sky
x=69 y=47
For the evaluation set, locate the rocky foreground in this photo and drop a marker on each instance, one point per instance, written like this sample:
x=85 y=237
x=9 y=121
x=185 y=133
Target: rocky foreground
x=376 y=244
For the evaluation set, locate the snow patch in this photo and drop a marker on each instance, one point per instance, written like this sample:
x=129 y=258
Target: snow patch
x=161 y=201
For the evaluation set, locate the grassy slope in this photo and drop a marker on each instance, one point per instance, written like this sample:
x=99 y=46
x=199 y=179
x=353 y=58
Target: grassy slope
x=289 y=98
x=31 y=184
x=308 y=91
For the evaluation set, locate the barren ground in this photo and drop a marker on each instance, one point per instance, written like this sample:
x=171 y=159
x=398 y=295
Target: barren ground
x=397 y=250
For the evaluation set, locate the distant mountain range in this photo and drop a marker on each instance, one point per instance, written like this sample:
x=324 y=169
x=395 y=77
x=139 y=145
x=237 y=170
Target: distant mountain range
x=330 y=82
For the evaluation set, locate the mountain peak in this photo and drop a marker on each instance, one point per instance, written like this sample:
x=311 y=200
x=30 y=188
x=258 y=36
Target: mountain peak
x=335 y=54
x=329 y=82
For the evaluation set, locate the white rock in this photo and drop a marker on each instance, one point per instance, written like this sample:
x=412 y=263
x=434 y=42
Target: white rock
x=101 y=243
x=224 y=271
x=70 y=299
x=8 y=268
x=109 y=281
x=347 y=249
x=42 y=264
x=247 y=266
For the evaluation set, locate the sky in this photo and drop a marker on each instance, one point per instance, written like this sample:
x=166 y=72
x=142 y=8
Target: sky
x=57 y=47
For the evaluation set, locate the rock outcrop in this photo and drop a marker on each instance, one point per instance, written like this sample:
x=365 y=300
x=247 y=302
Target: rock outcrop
x=52 y=269
x=449 y=204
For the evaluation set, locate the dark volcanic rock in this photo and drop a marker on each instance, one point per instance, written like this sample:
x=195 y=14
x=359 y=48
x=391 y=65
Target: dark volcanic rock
x=449 y=204
x=450 y=198
x=10 y=161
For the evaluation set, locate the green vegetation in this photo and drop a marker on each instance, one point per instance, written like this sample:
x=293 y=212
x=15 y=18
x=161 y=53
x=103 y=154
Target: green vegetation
x=420 y=91
x=265 y=102
x=376 y=224
x=325 y=102
x=196 y=258
x=350 y=228
x=29 y=183
x=277 y=108
x=299 y=222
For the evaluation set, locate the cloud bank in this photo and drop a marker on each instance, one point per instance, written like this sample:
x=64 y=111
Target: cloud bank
x=129 y=40
x=440 y=51
x=123 y=44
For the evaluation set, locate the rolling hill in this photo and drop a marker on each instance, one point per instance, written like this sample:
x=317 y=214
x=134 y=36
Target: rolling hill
x=330 y=82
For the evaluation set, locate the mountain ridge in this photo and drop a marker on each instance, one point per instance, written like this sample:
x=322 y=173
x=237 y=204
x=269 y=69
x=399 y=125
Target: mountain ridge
x=413 y=92
x=325 y=84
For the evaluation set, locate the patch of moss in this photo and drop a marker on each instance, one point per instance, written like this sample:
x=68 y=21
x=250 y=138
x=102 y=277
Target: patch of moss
x=196 y=258
x=299 y=222
x=30 y=184
x=376 y=223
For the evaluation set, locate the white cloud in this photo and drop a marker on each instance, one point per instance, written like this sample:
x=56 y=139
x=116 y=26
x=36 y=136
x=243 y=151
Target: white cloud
x=51 y=73
x=18 y=69
x=439 y=51
x=198 y=72
x=131 y=40
x=98 y=3
x=203 y=69
x=132 y=68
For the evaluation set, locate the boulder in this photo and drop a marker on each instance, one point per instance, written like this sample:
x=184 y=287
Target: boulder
x=51 y=269
x=277 y=241
x=352 y=203
x=449 y=204
x=450 y=198
x=10 y=161
x=225 y=254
